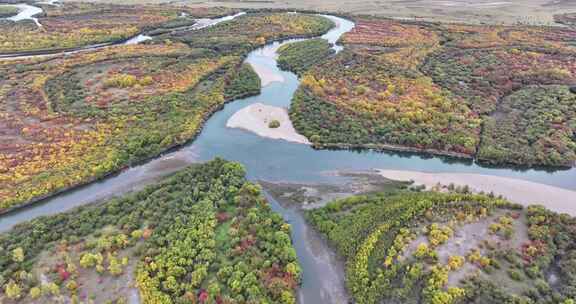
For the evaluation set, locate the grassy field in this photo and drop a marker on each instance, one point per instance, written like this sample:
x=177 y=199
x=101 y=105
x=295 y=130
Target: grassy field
x=492 y=11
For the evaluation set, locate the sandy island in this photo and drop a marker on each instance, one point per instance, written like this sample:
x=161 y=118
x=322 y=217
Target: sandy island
x=255 y=118
x=516 y=190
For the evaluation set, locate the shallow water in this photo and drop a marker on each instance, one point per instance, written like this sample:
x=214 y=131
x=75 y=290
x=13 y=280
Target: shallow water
x=276 y=160
x=137 y=39
x=26 y=11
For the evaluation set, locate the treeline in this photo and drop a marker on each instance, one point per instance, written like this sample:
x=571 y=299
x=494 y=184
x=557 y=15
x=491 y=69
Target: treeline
x=533 y=126
x=244 y=82
x=299 y=57
x=205 y=235
x=253 y=30
x=426 y=87
x=399 y=248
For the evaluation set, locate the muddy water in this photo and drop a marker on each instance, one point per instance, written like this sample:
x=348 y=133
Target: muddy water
x=323 y=273
x=275 y=160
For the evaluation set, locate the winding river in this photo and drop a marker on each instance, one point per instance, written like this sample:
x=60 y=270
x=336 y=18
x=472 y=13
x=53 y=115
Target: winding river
x=276 y=160
x=26 y=11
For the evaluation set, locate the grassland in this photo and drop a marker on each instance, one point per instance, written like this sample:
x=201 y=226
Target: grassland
x=430 y=247
x=483 y=11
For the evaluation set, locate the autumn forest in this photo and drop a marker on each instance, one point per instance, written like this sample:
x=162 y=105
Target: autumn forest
x=115 y=122
x=459 y=90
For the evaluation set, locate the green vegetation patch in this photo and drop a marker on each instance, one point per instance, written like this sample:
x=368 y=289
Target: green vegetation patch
x=254 y=30
x=8 y=11
x=298 y=57
x=429 y=87
x=442 y=248
x=484 y=77
x=536 y=125
x=204 y=234
x=245 y=82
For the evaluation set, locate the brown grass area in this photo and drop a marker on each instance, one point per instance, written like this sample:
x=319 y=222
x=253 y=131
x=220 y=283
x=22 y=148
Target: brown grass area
x=491 y=11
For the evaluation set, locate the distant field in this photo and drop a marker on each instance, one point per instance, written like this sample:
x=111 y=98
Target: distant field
x=492 y=11
x=7 y=11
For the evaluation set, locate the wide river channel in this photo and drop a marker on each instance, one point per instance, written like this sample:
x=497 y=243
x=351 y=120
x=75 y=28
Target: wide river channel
x=277 y=160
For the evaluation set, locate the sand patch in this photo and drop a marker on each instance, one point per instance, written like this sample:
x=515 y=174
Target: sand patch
x=516 y=190
x=255 y=118
x=266 y=74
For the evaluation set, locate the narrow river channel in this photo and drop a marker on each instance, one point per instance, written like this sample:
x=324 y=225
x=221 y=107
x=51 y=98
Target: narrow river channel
x=277 y=160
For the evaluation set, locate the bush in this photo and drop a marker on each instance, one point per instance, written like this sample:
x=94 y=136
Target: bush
x=274 y=124
x=515 y=275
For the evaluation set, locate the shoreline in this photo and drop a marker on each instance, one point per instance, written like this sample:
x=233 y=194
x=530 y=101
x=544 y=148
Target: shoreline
x=394 y=148
x=171 y=148
x=516 y=190
x=312 y=246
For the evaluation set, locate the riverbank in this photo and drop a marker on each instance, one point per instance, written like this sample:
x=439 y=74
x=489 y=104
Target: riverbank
x=145 y=33
x=516 y=190
x=393 y=148
x=257 y=117
x=308 y=196
x=323 y=278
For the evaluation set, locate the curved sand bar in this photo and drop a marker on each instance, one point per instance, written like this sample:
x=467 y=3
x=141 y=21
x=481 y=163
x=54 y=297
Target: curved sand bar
x=256 y=117
x=516 y=190
x=267 y=75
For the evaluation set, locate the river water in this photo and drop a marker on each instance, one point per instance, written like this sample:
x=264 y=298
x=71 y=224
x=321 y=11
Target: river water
x=26 y=11
x=276 y=160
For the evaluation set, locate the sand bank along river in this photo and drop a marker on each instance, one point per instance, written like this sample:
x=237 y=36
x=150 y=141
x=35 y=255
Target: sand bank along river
x=278 y=160
x=516 y=190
